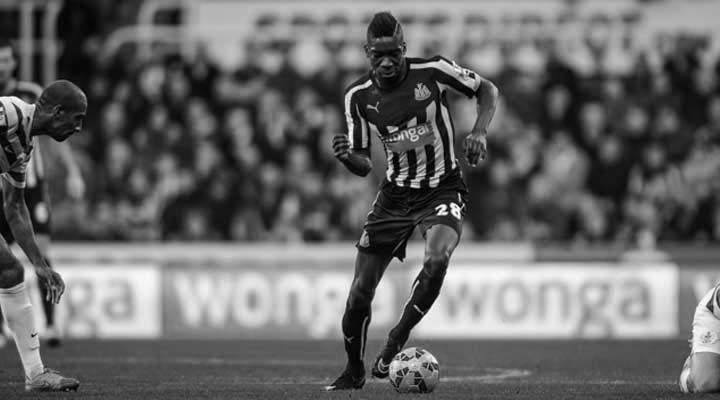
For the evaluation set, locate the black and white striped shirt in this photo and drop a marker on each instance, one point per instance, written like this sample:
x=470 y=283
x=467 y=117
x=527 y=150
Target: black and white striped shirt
x=412 y=120
x=29 y=92
x=16 y=145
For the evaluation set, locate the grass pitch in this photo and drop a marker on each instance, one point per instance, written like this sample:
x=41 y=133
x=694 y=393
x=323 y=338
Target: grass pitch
x=191 y=370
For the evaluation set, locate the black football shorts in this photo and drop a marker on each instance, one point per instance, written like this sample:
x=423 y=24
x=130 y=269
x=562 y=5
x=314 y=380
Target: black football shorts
x=398 y=210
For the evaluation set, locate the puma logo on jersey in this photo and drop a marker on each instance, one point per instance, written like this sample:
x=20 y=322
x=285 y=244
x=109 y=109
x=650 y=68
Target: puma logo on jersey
x=376 y=107
x=422 y=92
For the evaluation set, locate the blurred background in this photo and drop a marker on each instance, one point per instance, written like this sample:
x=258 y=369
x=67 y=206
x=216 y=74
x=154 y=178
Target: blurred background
x=211 y=121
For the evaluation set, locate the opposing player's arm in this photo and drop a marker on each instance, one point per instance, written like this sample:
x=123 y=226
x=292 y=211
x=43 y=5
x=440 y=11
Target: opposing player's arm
x=471 y=84
x=18 y=216
x=353 y=149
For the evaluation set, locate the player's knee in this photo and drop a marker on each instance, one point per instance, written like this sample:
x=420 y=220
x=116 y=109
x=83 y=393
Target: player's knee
x=11 y=273
x=360 y=298
x=436 y=264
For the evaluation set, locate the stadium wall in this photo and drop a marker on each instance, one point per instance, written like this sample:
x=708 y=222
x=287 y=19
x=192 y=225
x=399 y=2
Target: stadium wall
x=280 y=291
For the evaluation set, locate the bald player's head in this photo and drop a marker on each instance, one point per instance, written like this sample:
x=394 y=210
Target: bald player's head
x=64 y=94
x=62 y=106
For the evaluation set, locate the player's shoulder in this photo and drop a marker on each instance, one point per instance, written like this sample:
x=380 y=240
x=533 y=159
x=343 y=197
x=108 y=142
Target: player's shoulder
x=13 y=109
x=360 y=83
x=29 y=89
x=357 y=85
x=437 y=62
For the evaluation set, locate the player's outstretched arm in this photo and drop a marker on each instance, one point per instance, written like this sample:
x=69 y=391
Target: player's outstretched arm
x=18 y=218
x=358 y=162
x=476 y=142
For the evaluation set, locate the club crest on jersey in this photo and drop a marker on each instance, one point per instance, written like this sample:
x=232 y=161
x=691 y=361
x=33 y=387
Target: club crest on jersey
x=422 y=92
x=410 y=138
x=709 y=337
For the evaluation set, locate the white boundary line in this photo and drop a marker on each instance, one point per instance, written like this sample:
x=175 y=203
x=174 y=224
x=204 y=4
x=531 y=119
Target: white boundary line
x=484 y=375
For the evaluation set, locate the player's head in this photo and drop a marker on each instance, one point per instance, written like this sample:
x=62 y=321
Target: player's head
x=62 y=106
x=385 y=46
x=7 y=61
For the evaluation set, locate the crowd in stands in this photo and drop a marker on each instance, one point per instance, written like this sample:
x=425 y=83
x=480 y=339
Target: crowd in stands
x=604 y=139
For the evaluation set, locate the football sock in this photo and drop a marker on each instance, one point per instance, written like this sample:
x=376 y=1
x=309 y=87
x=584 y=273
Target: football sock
x=424 y=291
x=19 y=316
x=48 y=305
x=355 y=323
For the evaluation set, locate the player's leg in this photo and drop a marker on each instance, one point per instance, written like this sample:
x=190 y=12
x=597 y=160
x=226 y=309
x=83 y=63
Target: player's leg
x=441 y=241
x=15 y=302
x=6 y=234
x=439 y=213
x=369 y=269
x=385 y=235
x=37 y=201
x=701 y=373
x=17 y=309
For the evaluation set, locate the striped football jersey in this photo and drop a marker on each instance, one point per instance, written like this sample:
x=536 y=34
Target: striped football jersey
x=412 y=120
x=16 y=144
x=29 y=92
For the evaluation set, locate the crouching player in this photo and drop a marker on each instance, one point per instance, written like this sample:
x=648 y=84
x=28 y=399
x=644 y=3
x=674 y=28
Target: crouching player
x=701 y=372
x=58 y=113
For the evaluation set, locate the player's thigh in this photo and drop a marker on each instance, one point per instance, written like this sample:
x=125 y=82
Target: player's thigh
x=11 y=270
x=442 y=219
x=388 y=226
x=705 y=372
x=440 y=240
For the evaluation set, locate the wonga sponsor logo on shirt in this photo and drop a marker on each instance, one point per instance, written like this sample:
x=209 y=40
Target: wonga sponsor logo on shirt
x=410 y=138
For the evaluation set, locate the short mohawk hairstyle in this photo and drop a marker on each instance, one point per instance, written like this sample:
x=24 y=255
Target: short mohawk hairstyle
x=383 y=24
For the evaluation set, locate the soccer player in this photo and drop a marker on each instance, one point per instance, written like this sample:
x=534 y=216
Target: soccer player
x=403 y=101
x=36 y=194
x=701 y=372
x=59 y=113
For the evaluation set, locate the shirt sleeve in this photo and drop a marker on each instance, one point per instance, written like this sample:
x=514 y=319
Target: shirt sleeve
x=9 y=121
x=357 y=125
x=460 y=79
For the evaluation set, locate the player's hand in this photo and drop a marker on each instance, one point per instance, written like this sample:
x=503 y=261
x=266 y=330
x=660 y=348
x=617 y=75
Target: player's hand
x=52 y=281
x=75 y=186
x=341 y=147
x=475 y=146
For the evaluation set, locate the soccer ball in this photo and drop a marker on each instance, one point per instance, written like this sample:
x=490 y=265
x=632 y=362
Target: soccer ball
x=414 y=370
